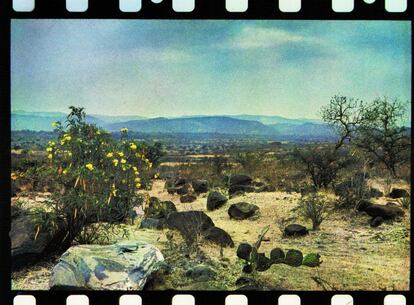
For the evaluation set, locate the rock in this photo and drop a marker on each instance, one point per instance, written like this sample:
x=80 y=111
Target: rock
x=294 y=258
x=311 y=260
x=238 y=179
x=277 y=255
x=295 y=230
x=122 y=266
x=180 y=182
x=242 y=210
x=262 y=262
x=233 y=189
x=375 y=193
x=188 y=198
x=218 y=236
x=189 y=223
x=159 y=209
x=153 y=223
x=201 y=273
x=244 y=250
x=180 y=190
x=215 y=200
x=265 y=188
x=30 y=244
x=200 y=186
x=398 y=193
x=376 y=221
x=375 y=210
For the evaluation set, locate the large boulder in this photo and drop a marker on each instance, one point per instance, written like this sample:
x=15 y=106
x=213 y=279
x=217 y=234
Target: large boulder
x=200 y=186
x=295 y=230
x=189 y=223
x=31 y=243
x=242 y=210
x=218 y=236
x=294 y=258
x=398 y=193
x=122 y=266
x=239 y=179
x=215 y=200
x=378 y=210
x=159 y=209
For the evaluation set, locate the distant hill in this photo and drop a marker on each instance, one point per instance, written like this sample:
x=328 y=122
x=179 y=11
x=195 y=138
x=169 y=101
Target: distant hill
x=274 y=119
x=213 y=124
x=275 y=127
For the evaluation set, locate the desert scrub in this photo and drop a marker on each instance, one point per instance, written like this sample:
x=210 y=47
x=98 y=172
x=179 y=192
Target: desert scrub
x=99 y=176
x=315 y=207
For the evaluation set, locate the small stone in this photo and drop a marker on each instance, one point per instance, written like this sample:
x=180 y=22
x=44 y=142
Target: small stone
x=201 y=273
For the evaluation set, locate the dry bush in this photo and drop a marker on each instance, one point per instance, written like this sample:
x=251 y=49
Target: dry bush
x=315 y=207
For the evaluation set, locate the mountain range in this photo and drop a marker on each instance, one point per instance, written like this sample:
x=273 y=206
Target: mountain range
x=270 y=126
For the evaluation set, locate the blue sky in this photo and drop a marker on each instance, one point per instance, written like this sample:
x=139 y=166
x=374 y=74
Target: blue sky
x=168 y=68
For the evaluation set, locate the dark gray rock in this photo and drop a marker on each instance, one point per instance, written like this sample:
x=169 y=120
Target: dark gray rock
x=378 y=210
x=242 y=210
x=398 y=193
x=189 y=223
x=31 y=243
x=295 y=230
x=215 y=200
x=375 y=193
x=239 y=179
x=188 y=198
x=153 y=223
x=218 y=236
x=200 y=186
x=233 y=189
x=244 y=250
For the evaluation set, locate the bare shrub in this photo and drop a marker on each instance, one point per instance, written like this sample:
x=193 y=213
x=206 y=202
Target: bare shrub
x=314 y=207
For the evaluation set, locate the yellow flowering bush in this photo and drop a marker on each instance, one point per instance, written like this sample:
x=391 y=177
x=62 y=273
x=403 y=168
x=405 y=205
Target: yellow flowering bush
x=100 y=175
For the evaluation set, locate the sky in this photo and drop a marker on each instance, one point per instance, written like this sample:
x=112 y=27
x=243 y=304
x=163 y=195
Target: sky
x=206 y=67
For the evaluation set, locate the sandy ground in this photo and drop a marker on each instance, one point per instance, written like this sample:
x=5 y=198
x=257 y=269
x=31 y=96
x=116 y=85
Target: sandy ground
x=355 y=256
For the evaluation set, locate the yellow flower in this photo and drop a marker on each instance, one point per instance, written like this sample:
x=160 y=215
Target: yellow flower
x=124 y=130
x=156 y=175
x=98 y=132
x=65 y=171
x=54 y=124
x=89 y=166
x=123 y=181
x=70 y=154
x=150 y=164
x=123 y=167
x=49 y=156
x=123 y=161
x=135 y=168
x=51 y=143
x=136 y=173
x=109 y=155
x=115 y=162
x=138 y=185
x=49 y=149
x=13 y=176
x=137 y=180
x=62 y=142
x=133 y=146
x=121 y=154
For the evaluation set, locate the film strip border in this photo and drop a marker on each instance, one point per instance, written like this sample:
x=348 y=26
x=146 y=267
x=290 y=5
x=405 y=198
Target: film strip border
x=250 y=9
x=218 y=298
